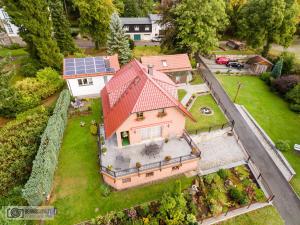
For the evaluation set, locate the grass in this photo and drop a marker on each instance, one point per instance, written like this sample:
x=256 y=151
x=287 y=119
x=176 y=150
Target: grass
x=197 y=79
x=264 y=216
x=205 y=121
x=140 y=51
x=271 y=112
x=235 y=52
x=181 y=93
x=12 y=52
x=77 y=182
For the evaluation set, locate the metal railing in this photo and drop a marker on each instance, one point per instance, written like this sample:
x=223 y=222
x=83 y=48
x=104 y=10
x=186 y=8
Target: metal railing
x=213 y=128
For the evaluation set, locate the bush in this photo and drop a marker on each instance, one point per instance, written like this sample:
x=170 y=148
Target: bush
x=14 y=46
x=39 y=184
x=193 y=62
x=293 y=96
x=266 y=77
x=105 y=190
x=289 y=61
x=223 y=174
x=93 y=129
x=259 y=195
x=29 y=67
x=208 y=178
x=131 y=44
x=238 y=196
x=285 y=83
x=283 y=145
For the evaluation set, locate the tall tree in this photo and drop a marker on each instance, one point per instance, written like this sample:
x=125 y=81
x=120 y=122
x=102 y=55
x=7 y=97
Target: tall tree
x=137 y=8
x=263 y=22
x=62 y=32
x=276 y=71
x=233 y=8
x=119 y=4
x=198 y=29
x=95 y=18
x=118 y=41
x=35 y=28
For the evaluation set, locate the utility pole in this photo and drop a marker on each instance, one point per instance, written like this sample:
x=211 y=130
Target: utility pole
x=237 y=91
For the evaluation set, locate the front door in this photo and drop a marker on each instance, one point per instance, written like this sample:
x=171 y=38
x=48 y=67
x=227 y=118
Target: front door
x=125 y=138
x=150 y=132
x=137 y=37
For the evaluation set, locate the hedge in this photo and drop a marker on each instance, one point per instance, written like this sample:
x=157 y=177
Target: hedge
x=39 y=184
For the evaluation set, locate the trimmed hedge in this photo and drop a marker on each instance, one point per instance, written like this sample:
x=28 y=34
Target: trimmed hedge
x=39 y=184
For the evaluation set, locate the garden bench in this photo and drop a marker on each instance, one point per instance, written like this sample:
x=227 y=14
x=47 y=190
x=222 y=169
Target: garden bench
x=297 y=147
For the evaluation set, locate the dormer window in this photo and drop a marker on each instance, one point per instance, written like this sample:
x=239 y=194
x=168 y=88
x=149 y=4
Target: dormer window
x=136 y=28
x=161 y=113
x=147 y=28
x=164 y=63
x=140 y=116
x=126 y=28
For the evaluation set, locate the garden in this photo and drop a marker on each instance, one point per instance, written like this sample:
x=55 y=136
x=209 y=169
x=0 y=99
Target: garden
x=210 y=195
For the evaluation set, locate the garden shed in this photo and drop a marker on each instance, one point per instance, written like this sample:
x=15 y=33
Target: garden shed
x=259 y=64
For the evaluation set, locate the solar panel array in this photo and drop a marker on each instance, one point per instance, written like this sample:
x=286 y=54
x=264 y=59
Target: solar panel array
x=89 y=65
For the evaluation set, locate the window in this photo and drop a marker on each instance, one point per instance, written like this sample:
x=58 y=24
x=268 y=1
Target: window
x=136 y=28
x=150 y=174
x=126 y=180
x=105 y=79
x=139 y=116
x=85 y=81
x=147 y=28
x=10 y=30
x=164 y=63
x=161 y=113
x=126 y=28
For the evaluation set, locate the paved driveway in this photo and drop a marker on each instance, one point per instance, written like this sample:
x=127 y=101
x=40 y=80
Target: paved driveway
x=286 y=200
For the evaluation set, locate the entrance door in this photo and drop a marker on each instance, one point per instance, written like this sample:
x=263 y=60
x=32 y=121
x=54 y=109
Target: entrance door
x=150 y=133
x=137 y=37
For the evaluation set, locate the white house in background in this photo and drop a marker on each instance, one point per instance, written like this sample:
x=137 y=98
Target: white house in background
x=86 y=77
x=142 y=28
x=9 y=34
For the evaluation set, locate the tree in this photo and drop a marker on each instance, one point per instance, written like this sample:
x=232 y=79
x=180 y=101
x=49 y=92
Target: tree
x=119 y=4
x=289 y=62
x=276 y=71
x=198 y=29
x=35 y=28
x=62 y=31
x=137 y=8
x=263 y=22
x=95 y=18
x=233 y=8
x=118 y=41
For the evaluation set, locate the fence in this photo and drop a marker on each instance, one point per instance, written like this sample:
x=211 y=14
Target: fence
x=213 y=128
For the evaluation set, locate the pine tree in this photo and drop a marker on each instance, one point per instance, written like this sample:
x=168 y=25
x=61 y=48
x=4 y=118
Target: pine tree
x=62 y=32
x=35 y=28
x=276 y=72
x=118 y=41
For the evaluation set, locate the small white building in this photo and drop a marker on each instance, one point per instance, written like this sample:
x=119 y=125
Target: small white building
x=142 y=28
x=86 y=77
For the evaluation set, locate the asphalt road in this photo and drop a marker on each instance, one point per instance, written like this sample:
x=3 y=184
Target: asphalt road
x=286 y=201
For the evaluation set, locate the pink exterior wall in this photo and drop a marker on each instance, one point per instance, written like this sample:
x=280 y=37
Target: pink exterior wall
x=172 y=125
x=136 y=179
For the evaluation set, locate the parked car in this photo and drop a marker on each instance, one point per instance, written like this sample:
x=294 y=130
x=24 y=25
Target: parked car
x=222 y=60
x=236 y=65
x=156 y=39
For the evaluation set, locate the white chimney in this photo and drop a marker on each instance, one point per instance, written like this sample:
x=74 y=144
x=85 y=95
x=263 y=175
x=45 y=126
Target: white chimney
x=150 y=70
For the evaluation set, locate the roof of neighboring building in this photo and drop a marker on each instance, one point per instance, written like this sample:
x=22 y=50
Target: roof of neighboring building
x=90 y=66
x=155 y=17
x=133 y=90
x=135 y=20
x=259 y=59
x=236 y=42
x=168 y=63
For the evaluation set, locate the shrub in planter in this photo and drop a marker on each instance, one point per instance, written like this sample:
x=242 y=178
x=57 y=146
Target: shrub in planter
x=168 y=158
x=208 y=178
x=259 y=195
x=238 y=196
x=214 y=207
x=138 y=165
x=110 y=167
x=104 y=150
x=223 y=174
x=105 y=190
x=93 y=129
x=283 y=145
x=101 y=140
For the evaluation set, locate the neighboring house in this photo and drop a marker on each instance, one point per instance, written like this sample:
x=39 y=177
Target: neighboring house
x=177 y=67
x=86 y=77
x=236 y=44
x=259 y=64
x=142 y=28
x=143 y=124
x=9 y=33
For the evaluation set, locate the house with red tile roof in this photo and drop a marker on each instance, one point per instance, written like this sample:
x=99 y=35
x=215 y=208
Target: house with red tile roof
x=86 y=77
x=143 y=125
x=177 y=67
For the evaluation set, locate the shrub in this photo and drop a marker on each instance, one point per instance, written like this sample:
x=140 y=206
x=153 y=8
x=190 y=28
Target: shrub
x=39 y=184
x=223 y=174
x=138 y=165
x=208 y=178
x=289 y=61
x=285 y=83
x=277 y=69
x=14 y=46
x=283 y=145
x=93 y=129
x=104 y=150
x=259 y=195
x=190 y=218
x=105 y=190
x=29 y=67
x=214 y=207
x=193 y=62
x=293 y=96
x=266 y=77
x=238 y=196
x=131 y=44
x=168 y=158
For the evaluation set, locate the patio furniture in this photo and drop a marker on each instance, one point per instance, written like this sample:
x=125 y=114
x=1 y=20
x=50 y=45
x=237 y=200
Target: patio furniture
x=297 y=147
x=152 y=149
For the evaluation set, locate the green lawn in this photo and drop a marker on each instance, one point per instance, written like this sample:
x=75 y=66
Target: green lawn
x=235 y=52
x=76 y=192
x=181 y=93
x=204 y=121
x=271 y=112
x=12 y=52
x=197 y=79
x=265 y=216
x=140 y=51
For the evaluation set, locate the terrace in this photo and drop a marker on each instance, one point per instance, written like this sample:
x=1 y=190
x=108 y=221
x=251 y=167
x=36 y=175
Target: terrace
x=147 y=155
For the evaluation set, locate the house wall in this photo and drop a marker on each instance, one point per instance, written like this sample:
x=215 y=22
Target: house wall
x=88 y=90
x=139 y=179
x=10 y=28
x=172 y=125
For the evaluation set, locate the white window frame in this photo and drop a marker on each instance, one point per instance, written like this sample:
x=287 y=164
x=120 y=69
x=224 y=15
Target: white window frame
x=164 y=63
x=126 y=28
x=136 y=28
x=147 y=28
x=85 y=81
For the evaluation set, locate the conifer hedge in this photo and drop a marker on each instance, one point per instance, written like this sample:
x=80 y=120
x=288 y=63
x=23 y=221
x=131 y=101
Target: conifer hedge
x=39 y=184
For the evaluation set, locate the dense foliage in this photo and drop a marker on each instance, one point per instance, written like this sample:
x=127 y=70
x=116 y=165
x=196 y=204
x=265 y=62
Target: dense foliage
x=117 y=42
x=289 y=62
x=95 y=18
x=35 y=28
x=285 y=83
x=276 y=71
x=293 y=96
x=39 y=184
x=62 y=32
x=283 y=145
x=137 y=8
x=18 y=145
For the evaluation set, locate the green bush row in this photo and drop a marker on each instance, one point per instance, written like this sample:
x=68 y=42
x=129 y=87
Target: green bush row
x=39 y=184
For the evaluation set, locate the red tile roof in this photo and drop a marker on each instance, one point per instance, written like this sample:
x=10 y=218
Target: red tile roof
x=133 y=90
x=173 y=63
